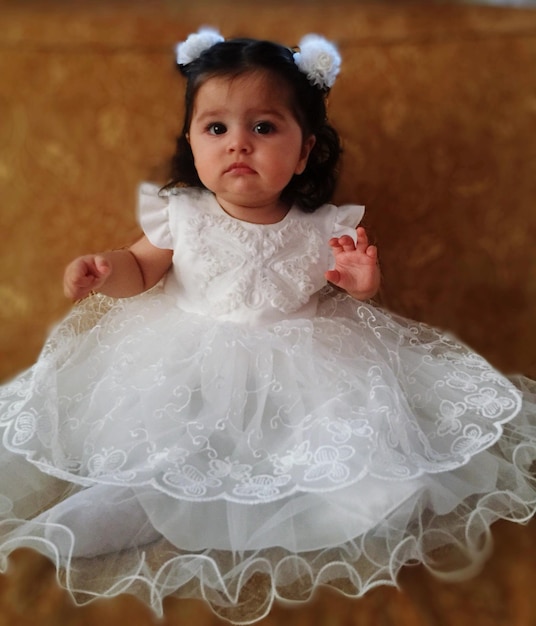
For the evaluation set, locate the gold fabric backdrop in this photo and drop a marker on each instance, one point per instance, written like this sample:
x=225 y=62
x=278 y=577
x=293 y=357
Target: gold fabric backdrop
x=436 y=106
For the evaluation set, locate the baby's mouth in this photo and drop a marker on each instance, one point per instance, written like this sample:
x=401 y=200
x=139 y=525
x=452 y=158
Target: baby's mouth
x=239 y=168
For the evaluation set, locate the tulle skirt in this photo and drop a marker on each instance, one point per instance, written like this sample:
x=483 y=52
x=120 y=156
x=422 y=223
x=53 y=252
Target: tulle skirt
x=156 y=452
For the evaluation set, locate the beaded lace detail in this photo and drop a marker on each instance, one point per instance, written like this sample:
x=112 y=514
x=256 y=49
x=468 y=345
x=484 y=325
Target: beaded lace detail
x=254 y=266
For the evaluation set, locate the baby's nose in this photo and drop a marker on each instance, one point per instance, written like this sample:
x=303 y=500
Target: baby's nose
x=239 y=141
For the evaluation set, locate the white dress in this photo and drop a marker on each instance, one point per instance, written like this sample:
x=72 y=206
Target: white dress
x=243 y=432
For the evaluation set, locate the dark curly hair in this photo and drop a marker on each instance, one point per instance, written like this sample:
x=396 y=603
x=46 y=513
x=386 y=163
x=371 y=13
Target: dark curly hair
x=233 y=57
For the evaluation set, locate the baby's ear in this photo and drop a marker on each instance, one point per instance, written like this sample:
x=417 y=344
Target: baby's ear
x=307 y=146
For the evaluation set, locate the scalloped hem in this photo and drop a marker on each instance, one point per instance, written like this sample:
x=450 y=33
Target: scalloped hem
x=242 y=587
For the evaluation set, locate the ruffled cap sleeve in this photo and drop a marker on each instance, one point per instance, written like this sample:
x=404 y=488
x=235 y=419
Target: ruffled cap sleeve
x=348 y=216
x=153 y=215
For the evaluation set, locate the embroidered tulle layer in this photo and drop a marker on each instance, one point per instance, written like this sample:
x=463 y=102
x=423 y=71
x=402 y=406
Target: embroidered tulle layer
x=247 y=464
x=202 y=411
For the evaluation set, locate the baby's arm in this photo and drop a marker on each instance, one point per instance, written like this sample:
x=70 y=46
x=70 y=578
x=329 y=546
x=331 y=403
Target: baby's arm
x=118 y=273
x=356 y=266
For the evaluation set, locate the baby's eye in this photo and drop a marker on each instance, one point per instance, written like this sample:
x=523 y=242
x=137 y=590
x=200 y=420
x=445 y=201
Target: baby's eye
x=217 y=128
x=263 y=128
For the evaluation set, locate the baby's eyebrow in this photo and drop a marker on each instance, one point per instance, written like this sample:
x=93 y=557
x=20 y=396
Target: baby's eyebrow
x=269 y=113
x=209 y=114
x=215 y=114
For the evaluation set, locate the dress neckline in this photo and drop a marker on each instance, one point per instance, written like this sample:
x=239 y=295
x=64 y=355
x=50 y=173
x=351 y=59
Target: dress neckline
x=223 y=212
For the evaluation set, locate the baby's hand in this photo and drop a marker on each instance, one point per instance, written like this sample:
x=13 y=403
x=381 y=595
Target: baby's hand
x=356 y=265
x=84 y=275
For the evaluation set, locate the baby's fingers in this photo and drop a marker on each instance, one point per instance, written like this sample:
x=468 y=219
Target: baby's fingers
x=84 y=275
x=102 y=266
x=372 y=252
x=342 y=244
x=333 y=276
x=362 y=239
x=76 y=288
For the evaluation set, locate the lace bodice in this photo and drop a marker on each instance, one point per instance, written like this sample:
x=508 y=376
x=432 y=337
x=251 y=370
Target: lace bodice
x=239 y=271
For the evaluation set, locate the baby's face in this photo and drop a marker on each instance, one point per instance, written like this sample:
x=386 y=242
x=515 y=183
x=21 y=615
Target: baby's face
x=247 y=143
